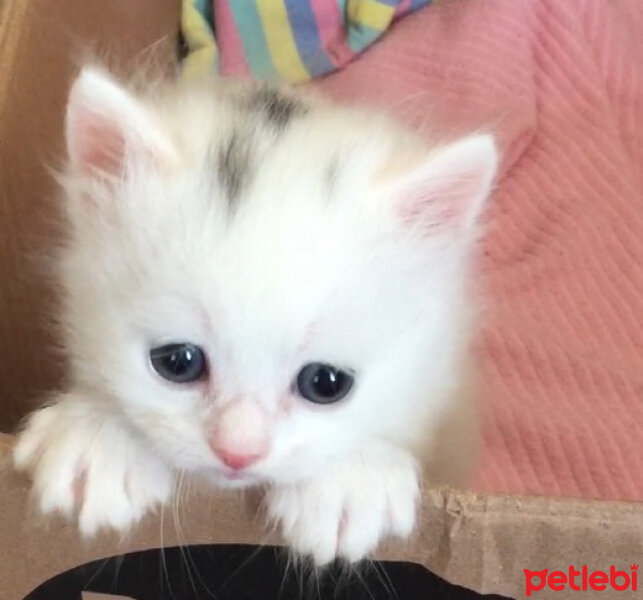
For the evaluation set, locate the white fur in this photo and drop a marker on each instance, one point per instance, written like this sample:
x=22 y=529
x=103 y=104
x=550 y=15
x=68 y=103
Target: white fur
x=72 y=443
x=345 y=510
x=303 y=271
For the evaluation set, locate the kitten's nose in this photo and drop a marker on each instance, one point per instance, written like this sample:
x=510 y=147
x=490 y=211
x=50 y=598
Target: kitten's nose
x=239 y=437
x=237 y=461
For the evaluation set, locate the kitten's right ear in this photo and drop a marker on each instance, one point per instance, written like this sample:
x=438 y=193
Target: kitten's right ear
x=448 y=188
x=106 y=125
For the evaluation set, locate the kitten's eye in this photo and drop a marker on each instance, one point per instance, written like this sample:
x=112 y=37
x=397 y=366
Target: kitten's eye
x=323 y=384
x=179 y=362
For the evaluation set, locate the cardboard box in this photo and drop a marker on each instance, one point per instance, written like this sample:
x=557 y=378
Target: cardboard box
x=483 y=543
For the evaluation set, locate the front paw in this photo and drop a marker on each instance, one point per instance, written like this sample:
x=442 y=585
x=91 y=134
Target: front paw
x=87 y=464
x=346 y=512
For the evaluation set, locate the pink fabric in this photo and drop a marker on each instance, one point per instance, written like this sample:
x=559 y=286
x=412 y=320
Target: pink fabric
x=562 y=348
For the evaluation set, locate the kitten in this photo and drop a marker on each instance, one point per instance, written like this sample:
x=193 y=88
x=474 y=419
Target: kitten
x=263 y=289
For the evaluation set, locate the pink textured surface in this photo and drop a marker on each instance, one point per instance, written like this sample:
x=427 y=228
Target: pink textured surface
x=561 y=83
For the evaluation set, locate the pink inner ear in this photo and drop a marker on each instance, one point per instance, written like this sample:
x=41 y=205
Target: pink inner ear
x=100 y=144
x=449 y=189
x=442 y=201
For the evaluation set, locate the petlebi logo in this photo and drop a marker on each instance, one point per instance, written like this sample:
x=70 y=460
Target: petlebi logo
x=580 y=579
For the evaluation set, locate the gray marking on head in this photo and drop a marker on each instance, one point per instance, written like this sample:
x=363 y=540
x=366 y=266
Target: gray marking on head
x=233 y=166
x=330 y=174
x=278 y=108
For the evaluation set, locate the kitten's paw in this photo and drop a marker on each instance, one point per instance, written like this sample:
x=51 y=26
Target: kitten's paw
x=347 y=512
x=89 y=465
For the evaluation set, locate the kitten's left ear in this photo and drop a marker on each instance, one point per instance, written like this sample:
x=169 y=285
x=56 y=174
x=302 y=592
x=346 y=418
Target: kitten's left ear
x=447 y=190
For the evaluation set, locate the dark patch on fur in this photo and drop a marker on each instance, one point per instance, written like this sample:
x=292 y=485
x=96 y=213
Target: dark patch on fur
x=278 y=108
x=232 y=167
x=330 y=175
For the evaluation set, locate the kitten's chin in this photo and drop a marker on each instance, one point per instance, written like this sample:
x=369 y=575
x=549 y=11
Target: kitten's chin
x=232 y=479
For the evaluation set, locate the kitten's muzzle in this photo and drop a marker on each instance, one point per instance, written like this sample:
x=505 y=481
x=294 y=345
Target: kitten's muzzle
x=240 y=437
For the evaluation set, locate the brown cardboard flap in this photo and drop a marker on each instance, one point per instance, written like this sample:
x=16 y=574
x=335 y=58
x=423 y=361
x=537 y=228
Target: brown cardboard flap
x=483 y=542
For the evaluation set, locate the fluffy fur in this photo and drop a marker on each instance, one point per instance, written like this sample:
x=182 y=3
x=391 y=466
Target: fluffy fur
x=272 y=230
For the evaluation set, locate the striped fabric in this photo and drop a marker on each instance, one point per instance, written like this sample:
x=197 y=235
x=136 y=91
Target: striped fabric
x=289 y=40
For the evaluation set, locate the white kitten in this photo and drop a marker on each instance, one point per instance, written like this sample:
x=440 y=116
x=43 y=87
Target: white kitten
x=262 y=289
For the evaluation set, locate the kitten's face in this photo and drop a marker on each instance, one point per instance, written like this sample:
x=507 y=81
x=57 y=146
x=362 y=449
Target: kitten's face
x=244 y=281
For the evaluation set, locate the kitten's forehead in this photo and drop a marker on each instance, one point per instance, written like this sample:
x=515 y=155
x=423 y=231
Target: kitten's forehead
x=281 y=266
x=283 y=194
x=240 y=133
x=262 y=115
x=267 y=226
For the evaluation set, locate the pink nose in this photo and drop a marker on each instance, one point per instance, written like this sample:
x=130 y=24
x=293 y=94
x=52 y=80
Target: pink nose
x=237 y=461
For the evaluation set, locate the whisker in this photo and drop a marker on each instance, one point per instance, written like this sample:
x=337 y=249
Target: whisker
x=190 y=563
x=384 y=577
x=97 y=572
x=162 y=556
x=242 y=566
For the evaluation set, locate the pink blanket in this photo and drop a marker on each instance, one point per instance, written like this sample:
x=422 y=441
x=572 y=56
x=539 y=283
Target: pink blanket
x=562 y=85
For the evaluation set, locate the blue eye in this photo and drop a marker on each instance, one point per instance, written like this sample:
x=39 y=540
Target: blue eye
x=179 y=362
x=323 y=384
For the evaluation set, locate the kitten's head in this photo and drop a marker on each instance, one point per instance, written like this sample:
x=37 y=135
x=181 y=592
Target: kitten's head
x=259 y=282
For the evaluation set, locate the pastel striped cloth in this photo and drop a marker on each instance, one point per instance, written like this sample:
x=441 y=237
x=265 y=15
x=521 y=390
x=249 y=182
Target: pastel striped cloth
x=289 y=40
